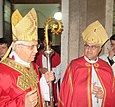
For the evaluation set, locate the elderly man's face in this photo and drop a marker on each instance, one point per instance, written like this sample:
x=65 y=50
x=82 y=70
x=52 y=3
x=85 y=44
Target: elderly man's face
x=3 y=49
x=27 y=50
x=91 y=50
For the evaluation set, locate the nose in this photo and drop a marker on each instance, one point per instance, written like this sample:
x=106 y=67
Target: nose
x=89 y=48
x=35 y=49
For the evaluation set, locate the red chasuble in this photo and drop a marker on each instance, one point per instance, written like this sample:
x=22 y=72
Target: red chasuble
x=76 y=85
x=14 y=85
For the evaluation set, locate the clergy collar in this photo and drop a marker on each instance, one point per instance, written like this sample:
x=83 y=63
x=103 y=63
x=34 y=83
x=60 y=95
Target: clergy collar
x=90 y=61
x=18 y=59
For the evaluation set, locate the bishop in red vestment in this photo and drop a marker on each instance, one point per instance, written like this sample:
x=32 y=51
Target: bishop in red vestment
x=19 y=77
x=88 y=80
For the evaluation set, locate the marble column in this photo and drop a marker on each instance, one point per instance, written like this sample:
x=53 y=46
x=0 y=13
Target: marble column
x=1 y=18
x=109 y=21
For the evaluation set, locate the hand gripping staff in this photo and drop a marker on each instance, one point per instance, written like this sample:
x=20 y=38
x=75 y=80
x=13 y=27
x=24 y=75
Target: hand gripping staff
x=56 y=28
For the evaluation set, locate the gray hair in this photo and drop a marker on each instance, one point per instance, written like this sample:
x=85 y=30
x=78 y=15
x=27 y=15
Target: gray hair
x=16 y=43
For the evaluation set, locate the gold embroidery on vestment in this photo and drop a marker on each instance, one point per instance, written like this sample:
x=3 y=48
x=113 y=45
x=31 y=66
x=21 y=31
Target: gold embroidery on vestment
x=27 y=79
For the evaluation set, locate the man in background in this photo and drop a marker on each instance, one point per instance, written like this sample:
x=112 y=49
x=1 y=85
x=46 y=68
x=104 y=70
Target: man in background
x=110 y=56
x=3 y=47
x=41 y=61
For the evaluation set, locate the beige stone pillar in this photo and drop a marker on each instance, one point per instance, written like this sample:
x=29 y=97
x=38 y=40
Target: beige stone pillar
x=108 y=21
x=64 y=36
x=1 y=18
x=74 y=21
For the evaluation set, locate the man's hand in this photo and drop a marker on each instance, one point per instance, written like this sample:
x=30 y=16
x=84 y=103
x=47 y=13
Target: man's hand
x=43 y=70
x=31 y=98
x=49 y=76
x=97 y=91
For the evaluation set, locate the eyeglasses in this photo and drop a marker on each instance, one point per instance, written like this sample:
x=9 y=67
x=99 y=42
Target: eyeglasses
x=92 y=47
x=31 y=47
